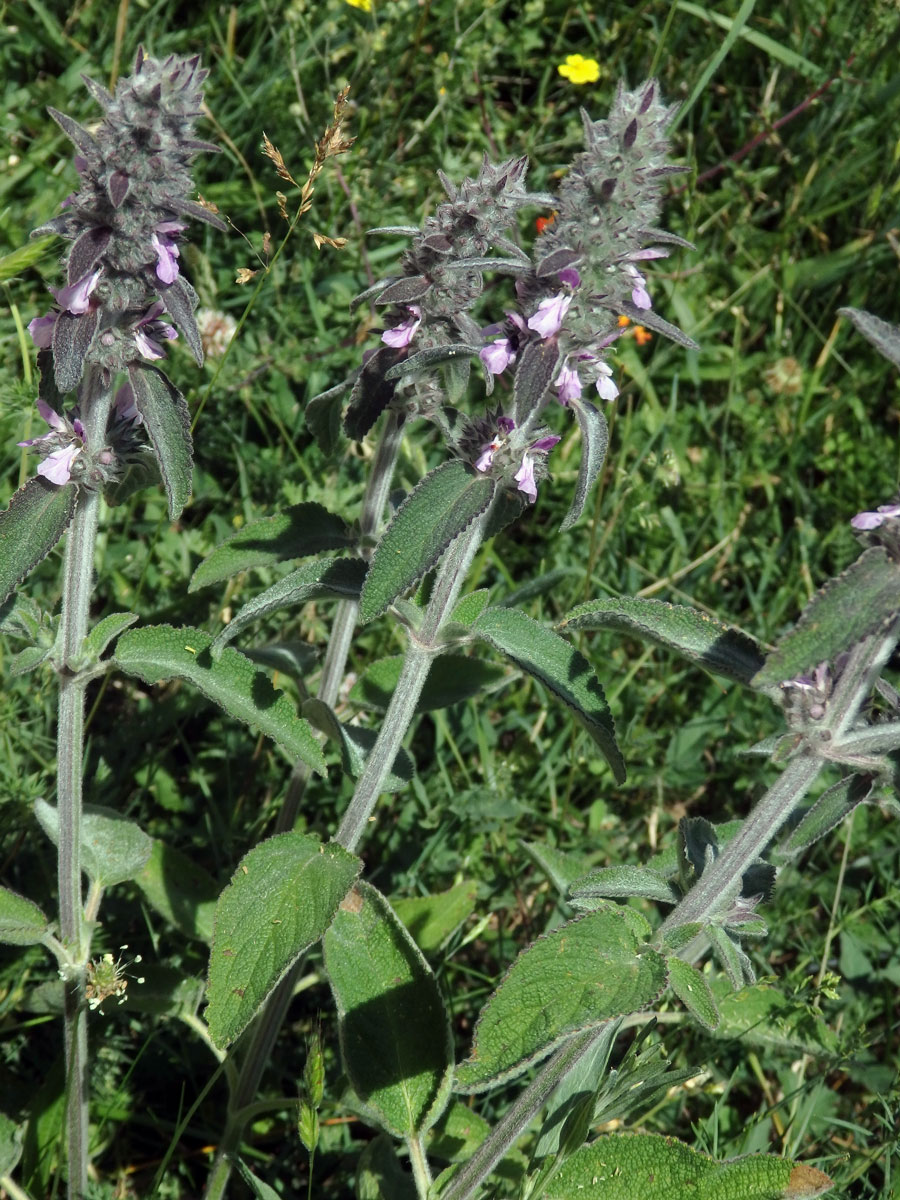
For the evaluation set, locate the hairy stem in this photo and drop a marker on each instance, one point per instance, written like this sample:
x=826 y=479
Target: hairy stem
x=77 y=588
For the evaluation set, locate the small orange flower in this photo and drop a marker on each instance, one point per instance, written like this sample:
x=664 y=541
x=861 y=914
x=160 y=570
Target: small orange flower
x=623 y=321
x=541 y=223
x=642 y=336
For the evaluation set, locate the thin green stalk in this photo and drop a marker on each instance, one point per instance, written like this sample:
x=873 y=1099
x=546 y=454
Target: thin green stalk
x=77 y=588
x=419 y=1163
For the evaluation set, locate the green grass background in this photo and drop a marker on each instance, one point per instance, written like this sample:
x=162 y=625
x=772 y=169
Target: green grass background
x=731 y=477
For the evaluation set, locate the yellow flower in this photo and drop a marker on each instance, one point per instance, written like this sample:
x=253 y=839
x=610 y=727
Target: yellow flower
x=576 y=68
x=365 y=5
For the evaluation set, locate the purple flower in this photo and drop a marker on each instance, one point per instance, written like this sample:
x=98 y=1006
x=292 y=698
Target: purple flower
x=126 y=409
x=871 y=520
x=41 y=330
x=524 y=477
x=570 y=277
x=549 y=316
x=76 y=297
x=402 y=334
x=498 y=355
x=485 y=460
x=57 y=464
x=57 y=467
x=640 y=297
x=166 y=249
x=606 y=388
x=568 y=385
x=148 y=329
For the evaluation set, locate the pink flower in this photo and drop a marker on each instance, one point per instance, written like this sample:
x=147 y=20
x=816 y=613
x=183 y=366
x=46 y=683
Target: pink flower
x=606 y=387
x=871 y=520
x=76 y=297
x=68 y=439
x=485 y=460
x=524 y=477
x=57 y=467
x=640 y=297
x=568 y=385
x=41 y=330
x=498 y=355
x=401 y=335
x=166 y=250
x=148 y=329
x=548 y=318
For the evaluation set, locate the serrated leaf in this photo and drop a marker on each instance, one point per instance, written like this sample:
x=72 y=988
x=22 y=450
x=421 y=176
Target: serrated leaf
x=439 y=508
x=693 y=991
x=560 y=866
x=372 y=392
x=355 y=743
x=763 y=1015
x=832 y=807
x=322 y=579
x=180 y=891
x=652 y=320
x=430 y=358
x=21 y=922
x=104 y=632
x=621 y=1166
x=884 y=337
x=468 y=607
x=430 y=920
x=37 y=517
x=737 y=965
x=297 y=532
x=620 y=883
x=691 y=633
x=594 y=442
x=575 y=978
x=394 y=1029
x=113 y=849
x=560 y=667
x=534 y=371
x=280 y=901
x=168 y=425
x=451 y=679
x=28 y=659
x=160 y=652
x=846 y=610
x=405 y=291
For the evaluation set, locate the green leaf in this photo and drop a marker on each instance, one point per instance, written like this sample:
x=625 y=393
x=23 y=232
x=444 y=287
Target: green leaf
x=621 y=1166
x=691 y=633
x=324 y=578
x=430 y=358
x=103 y=633
x=441 y=506
x=180 y=891
x=884 y=337
x=280 y=900
x=297 y=532
x=159 y=652
x=21 y=922
x=380 y=1176
x=394 y=1029
x=113 y=849
x=620 y=883
x=294 y=659
x=575 y=978
x=468 y=607
x=560 y=667
x=459 y=1133
x=560 y=866
x=534 y=370
x=846 y=610
x=451 y=679
x=594 y=442
x=432 y=919
x=259 y=1188
x=37 y=517
x=356 y=744
x=836 y=803
x=168 y=424
x=10 y=1140
x=693 y=991
x=762 y=1015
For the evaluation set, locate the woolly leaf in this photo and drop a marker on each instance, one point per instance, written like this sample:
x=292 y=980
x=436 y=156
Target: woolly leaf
x=622 y=1166
x=113 y=849
x=652 y=320
x=394 y=1029
x=560 y=667
x=324 y=578
x=594 y=441
x=281 y=899
x=160 y=652
x=36 y=519
x=575 y=978
x=405 y=291
x=429 y=358
x=181 y=891
x=372 y=391
x=168 y=425
x=72 y=338
x=620 y=883
x=440 y=507
x=884 y=337
x=21 y=922
x=296 y=532
x=693 y=991
x=180 y=300
x=847 y=609
x=534 y=370
x=432 y=919
x=691 y=633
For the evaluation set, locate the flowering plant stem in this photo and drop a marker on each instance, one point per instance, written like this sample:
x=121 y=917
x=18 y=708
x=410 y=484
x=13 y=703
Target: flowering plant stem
x=77 y=583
